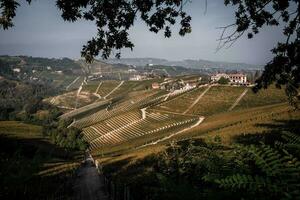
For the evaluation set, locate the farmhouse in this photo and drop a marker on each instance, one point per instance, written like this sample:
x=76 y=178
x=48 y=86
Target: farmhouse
x=233 y=78
x=137 y=78
x=131 y=70
x=18 y=70
x=215 y=78
x=155 y=85
x=238 y=78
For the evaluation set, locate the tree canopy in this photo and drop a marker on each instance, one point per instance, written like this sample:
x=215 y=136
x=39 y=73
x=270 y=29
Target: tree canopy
x=114 y=18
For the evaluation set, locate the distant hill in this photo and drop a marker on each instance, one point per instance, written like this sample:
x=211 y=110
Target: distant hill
x=195 y=64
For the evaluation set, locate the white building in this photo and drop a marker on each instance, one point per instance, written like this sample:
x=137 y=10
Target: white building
x=131 y=70
x=215 y=78
x=238 y=78
x=137 y=78
x=233 y=78
x=59 y=72
x=18 y=70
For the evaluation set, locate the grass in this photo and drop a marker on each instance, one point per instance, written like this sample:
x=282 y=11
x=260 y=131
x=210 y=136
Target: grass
x=31 y=167
x=220 y=98
x=268 y=96
x=20 y=130
x=91 y=86
x=59 y=80
x=217 y=99
x=107 y=87
x=240 y=121
x=181 y=103
x=128 y=86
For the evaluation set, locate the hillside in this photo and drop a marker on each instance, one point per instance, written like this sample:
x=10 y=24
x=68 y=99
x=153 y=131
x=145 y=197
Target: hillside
x=31 y=166
x=235 y=124
x=195 y=64
x=126 y=117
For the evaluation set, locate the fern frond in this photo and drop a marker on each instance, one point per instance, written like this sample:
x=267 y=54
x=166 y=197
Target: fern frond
x=267 y=159
x=291 y=138
x=243 y=181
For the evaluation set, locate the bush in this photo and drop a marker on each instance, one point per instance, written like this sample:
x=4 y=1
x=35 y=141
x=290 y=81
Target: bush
x=223 y=81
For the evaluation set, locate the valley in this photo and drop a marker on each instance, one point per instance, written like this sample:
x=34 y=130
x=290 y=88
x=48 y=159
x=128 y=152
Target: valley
x=119 y=116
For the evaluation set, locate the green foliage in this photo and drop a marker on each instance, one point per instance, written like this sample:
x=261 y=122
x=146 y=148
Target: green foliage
x=31 y=167
x=210 y=170
x=113 y=19
x=266 y=170
x=242 y=181
x=223 y=81
x=284 y=68
x=68 y=138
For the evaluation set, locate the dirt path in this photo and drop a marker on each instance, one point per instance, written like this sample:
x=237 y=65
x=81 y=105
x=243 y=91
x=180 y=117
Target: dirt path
x=198 y=99
x=98 y=87
x=114 y=89
x=238 y=100
x=76 y=79
x=89 y=184
x=172 y=135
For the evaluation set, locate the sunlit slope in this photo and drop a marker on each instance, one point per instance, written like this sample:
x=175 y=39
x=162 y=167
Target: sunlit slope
x=181 y=103
x=31 y=164
x=268 y=96
x=228 y=125
x=218 y=99
x=242 y=122
x=20 y=130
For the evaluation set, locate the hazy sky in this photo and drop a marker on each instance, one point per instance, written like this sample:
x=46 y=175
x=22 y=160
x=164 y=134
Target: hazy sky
x=40 y=31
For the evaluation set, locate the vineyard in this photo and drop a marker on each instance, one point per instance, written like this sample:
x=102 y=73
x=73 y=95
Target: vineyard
x=132 y=116
x=156 y=124
x=220 y=98
x=125 y=118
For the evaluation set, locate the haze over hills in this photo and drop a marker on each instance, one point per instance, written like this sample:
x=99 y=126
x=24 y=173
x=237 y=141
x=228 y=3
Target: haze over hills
x=188 y=63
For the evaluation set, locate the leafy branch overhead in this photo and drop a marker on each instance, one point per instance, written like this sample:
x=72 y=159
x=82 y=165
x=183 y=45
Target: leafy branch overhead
x=114 y=18
x=251 y=16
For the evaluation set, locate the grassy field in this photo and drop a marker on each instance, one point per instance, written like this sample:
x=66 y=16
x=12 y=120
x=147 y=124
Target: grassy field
x=227 y=125
x=217 y=99
x=107 y=87
x=59 y=80
x=268 y=96
x=31 y=166
x=220 y=98
x=20 y=129
x=181 y=103
x=91 y=86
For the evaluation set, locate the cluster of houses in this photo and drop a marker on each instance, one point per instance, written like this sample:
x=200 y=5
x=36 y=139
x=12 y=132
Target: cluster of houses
x=138 y=77
x=179 y=84
x=235 y=79
x=171 y=85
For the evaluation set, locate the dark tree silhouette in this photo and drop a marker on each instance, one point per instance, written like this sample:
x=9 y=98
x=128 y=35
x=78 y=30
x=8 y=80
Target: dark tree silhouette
x=251 y=16
x=114 y=18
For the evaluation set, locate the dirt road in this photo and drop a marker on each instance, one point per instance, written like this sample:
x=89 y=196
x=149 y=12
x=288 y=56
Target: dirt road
x=89 y=184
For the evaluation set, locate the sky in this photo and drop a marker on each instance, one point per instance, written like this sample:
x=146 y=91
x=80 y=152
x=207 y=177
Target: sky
x=40 y=31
